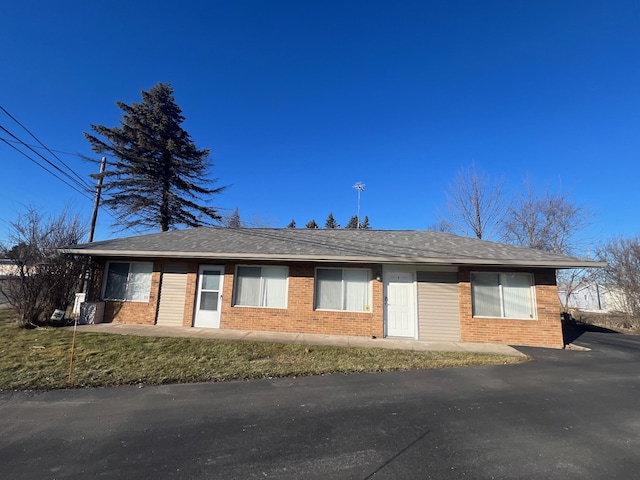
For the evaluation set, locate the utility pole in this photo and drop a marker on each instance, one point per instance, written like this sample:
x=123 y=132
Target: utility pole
x=96 y=203
x=94 y=217
x=89 y=270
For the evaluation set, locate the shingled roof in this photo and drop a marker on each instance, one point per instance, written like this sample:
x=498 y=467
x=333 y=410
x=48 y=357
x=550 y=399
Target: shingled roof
x=327 y=245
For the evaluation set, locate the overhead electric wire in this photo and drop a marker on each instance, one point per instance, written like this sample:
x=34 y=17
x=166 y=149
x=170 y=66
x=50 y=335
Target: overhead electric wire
x=53 y=150
x=80 y=179
x=79 y=184
x=83 y=193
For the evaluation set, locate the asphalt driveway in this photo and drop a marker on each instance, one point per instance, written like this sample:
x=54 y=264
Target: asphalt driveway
x=564 y=415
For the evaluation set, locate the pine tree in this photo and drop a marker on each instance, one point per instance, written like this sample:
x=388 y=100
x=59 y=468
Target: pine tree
x=156 y=176
x=312 y=224
x=353 y=222
x=364 y=225
x=292 y=224
x=330 y=222
x=233 y=220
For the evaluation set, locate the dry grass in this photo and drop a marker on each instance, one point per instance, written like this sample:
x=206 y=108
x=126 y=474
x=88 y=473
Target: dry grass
x=621 y=322
x=39 y=359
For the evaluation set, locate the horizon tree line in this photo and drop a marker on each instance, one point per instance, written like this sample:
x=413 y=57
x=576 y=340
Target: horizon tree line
x=331 y=223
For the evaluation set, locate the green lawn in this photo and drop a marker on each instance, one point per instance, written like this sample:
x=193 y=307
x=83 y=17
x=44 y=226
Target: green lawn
x=39 y=359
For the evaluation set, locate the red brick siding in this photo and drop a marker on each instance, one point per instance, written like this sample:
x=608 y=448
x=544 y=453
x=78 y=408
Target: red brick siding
x=545 y=331
x=190 y=296
x=300 y=316
x=143 y=313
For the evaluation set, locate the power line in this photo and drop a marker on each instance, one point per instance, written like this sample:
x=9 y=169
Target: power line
x=72 y=179
x=51 y=149
x=82 y=180
x=83 y=193
x=80 y=185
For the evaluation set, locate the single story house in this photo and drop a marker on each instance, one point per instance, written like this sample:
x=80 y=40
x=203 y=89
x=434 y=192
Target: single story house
x=424 y=285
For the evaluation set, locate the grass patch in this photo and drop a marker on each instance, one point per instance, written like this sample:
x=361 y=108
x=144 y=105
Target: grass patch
x=616 y=321
x=7 y=315
x=39 y=359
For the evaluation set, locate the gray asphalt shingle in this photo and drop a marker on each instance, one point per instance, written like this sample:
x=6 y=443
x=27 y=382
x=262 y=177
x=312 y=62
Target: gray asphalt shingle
x=379 y=246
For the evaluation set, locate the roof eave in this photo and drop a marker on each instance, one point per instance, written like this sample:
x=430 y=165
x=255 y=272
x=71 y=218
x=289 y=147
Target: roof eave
x=578 y=263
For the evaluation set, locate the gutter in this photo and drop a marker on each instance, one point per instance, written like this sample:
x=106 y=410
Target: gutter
x=560 y=264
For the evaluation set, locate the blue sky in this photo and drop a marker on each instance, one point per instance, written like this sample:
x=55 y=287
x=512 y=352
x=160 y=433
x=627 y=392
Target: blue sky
x=299 y=100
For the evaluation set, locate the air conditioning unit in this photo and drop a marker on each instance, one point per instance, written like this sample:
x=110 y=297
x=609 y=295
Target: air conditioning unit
x=91 y=312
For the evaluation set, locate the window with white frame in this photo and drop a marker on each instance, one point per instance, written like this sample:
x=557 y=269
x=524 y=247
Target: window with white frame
x=503 y=295
x=128 y=281
x=261 y=287
x=343 y=289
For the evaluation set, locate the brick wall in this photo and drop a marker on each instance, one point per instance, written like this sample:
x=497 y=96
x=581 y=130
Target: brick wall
x=545 y=331
x=190 y=295
x=143 y=313
x=299 y=316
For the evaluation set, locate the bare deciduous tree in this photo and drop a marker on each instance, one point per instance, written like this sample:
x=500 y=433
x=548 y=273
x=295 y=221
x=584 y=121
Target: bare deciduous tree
x=440 y=226
x=45 y=279
x=623 y=272
x=550 y=222
x=571 y=281
x=474 y=205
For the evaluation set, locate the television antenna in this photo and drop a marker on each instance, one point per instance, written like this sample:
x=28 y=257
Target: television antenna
x=359 y=186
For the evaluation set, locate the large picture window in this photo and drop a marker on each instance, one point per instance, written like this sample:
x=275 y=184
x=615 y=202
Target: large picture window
x=343 y=289
x=128 y=281
x=503 y=295
x=261 y=287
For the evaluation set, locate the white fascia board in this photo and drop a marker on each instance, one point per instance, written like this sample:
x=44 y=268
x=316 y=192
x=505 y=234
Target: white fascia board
x=569 y=263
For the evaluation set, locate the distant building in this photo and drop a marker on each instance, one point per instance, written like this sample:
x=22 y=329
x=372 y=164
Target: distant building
x=7 y=267
x=594 y=297
x=588 y=296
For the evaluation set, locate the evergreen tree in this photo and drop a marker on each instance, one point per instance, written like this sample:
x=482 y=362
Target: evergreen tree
x=312 y=224
x=233 y=220
x=330 y=222
x=156 y=176
x=353 y=222
x=364 y=225
x=292 y=224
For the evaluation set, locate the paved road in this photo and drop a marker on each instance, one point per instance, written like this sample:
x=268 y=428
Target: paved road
x=564 y=415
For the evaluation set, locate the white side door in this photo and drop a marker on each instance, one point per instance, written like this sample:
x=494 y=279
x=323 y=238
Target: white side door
x=400 y=304
x=209 y=296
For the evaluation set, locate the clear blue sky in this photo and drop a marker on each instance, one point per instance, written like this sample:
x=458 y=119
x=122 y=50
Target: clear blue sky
x=299 y=100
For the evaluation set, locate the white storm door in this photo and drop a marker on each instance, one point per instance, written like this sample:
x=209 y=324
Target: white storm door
x=209 y=299
x=400 y=304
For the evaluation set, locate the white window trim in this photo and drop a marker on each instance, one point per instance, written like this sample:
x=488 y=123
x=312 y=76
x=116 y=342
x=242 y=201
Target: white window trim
x=106 y=276
x=235 y=287
x=534 y=301
x=315 y=290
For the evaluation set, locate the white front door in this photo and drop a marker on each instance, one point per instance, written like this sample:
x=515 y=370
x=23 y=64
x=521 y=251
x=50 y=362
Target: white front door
x=209 y=299
x=400 y=304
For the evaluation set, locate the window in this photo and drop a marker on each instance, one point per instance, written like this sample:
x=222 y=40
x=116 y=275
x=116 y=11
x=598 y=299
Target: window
x=502 y=295
x=127 y=281
x=261 y=287
x=342 y=289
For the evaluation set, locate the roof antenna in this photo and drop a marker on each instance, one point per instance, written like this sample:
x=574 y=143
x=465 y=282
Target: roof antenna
x=359 y=186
